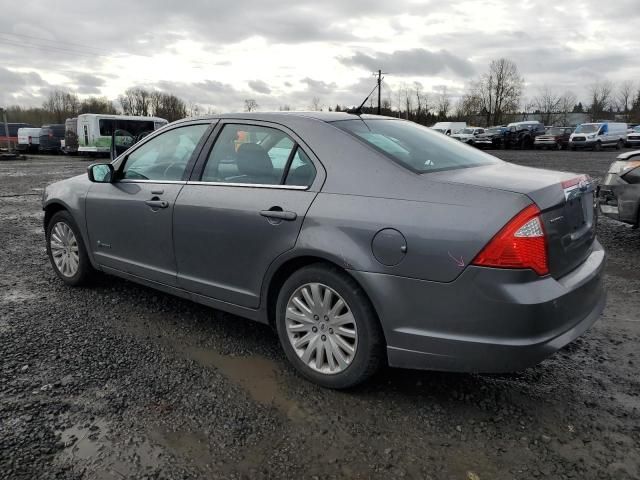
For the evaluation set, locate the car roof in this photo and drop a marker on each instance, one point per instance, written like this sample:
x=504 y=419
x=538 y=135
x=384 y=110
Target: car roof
x=279 y=116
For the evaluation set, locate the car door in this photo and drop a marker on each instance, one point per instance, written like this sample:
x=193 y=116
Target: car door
x=129 y=221
x=244 y=206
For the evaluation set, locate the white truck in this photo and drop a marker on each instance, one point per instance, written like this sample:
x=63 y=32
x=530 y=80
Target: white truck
x=599 y=135
x=28 y=139
x=449 y=127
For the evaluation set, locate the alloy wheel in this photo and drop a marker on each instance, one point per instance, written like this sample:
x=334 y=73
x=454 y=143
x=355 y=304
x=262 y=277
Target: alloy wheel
x=64 y=249
x=321 y=328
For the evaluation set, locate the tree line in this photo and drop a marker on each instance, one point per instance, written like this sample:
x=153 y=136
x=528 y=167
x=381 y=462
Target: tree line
x=60 y=105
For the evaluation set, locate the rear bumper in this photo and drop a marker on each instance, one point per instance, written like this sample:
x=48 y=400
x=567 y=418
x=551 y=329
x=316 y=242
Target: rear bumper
x=487 y=320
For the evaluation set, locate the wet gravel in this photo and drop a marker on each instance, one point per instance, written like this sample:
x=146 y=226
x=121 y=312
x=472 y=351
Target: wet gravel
x=120 y=381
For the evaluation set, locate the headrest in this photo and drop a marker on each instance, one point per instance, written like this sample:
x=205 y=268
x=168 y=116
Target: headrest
x=253 y=160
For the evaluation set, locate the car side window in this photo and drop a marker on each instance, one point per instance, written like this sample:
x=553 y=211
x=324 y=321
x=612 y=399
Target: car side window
x=249 y=154
x=301 y=171
x=165 y=157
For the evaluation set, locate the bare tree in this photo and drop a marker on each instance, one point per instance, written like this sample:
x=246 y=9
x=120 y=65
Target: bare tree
x=97 y=105
x=316 y=104
x=136 y=101
x=469 y=105
x=547 y=102
x=624 y=95
x=420 y=99
x=443 y=103
x=250 y=105
x=567 y=103
x=500 y=89
x=168 y=106
x=61 y=105
x=284 y=108
x=601 y=97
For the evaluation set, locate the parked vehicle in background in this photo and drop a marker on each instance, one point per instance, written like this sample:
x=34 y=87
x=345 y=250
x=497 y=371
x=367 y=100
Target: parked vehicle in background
x=554 y=137
x=633 y=137
x=51 y=138
x=619 y=192
x=449 y=128
x=522 y=134
x=70 y=136
x=491 y=138
x=459 y=261
x=599 y=135
x=94 y=131
x=12 y=138
x=28 y=139
x=467 y=135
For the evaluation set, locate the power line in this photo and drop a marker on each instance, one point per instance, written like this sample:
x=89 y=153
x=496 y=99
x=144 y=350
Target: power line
x=51 y=40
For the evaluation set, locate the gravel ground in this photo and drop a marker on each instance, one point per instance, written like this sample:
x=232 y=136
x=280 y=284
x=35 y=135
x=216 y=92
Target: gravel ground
x=120 y=381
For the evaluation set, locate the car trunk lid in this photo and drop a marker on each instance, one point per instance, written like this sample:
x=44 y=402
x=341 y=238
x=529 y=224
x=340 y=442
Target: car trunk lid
x=566 y=201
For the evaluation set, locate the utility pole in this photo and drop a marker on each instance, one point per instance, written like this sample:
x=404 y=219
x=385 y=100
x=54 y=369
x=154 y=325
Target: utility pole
x=6 y=128
x=380 y=78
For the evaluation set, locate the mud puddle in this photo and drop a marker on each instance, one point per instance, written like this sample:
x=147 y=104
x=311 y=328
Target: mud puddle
x=257 y=375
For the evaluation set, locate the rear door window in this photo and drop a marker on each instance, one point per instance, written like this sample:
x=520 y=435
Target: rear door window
x=257 y=155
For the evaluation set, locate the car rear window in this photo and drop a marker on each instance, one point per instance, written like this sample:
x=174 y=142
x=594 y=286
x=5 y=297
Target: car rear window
x=413 y=146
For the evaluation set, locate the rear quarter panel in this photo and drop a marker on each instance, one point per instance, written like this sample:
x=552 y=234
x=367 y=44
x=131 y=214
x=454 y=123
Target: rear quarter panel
x=442 y=236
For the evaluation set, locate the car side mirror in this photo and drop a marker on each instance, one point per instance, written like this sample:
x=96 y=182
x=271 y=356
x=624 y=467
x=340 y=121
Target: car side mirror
x=100 y=172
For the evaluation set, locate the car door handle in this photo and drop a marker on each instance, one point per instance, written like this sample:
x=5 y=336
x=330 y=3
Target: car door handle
x=279 y=214
x=157 y=203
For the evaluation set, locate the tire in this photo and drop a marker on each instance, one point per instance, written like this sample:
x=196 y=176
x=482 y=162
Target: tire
x=559 y=146
x=619 y=145
x=597 y=147
x=573 y=149
x=368 y=342
x=84 y=271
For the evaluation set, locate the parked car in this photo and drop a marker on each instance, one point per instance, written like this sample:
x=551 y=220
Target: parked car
x=361 y=239
x=522 y=134
x=70 y=146
x=491 y=138
x=468 y=135
x=51 y=137
x=599 y=135
x=449 y=128
x=554 y=137
x=28 y=139
x=619 y=193
x=633 y=138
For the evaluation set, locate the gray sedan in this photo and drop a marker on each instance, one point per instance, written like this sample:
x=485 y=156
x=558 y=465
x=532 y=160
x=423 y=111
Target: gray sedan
x=362 y=240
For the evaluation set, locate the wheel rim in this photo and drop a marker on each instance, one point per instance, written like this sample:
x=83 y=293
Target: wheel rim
x=321 y=328
x=64 y=249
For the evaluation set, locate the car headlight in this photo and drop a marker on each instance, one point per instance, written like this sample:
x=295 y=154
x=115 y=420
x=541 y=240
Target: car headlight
x=593 y=135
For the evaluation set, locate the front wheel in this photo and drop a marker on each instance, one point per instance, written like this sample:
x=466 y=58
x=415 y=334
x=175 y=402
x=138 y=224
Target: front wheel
x=328 y=327
x=66 y=250
x=598 y=146
x=619 y=145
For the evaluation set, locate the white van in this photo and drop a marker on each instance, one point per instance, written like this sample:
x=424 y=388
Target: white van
x=599 y=135
x=449 y=127
x=28 y=139
x=94 y=130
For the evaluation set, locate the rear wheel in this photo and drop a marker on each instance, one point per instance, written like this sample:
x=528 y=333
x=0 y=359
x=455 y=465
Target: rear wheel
x=66 y=250
x=619 y=145
x=328 y=328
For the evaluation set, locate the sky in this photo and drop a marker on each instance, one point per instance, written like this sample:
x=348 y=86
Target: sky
x=215 y=53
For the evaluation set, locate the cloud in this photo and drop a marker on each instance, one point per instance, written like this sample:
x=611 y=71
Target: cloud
x=417 y=61
x=259 y=86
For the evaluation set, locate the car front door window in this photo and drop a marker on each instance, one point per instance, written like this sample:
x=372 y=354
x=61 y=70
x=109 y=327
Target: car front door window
x=165 y=157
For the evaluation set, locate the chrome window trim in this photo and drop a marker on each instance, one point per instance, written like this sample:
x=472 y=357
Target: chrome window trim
x=251 y=185
x=133 y=180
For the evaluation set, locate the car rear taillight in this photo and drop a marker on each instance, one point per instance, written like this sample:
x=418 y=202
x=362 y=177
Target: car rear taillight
x=521 y=243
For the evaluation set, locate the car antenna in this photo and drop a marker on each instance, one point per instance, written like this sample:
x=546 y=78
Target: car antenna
x=358 y=111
